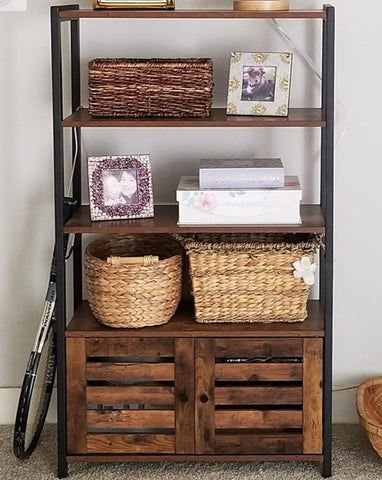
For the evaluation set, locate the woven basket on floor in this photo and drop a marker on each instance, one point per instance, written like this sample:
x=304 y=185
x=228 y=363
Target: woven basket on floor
x=133 y=295
x=159 y=87
x=369 y=406
x=248 y=278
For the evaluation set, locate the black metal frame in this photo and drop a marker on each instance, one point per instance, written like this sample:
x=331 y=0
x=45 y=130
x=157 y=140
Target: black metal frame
x=327 y=204
x=327 y=186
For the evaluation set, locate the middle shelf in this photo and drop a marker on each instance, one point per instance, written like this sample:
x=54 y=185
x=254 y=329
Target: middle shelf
x=166 y=217
x=298 y=117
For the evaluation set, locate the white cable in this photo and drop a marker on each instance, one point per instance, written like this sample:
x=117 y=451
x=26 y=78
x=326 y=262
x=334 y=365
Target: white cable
x=310 y=63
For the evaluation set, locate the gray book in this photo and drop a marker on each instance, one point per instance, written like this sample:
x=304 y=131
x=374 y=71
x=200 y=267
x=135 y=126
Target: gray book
x=241 y=173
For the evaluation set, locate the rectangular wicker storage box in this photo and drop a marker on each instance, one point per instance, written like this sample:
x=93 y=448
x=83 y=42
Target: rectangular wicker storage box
x=125 y=87
x=248 y=277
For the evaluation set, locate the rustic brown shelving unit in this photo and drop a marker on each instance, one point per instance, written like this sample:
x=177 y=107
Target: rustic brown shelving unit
x=178 y=391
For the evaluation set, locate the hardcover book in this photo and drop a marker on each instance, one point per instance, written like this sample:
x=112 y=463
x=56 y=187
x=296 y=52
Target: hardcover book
x=199 y=206
x=241 y=173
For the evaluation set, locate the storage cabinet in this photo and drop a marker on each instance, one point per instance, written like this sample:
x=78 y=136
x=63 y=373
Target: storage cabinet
x=222 y=396
x=183 y=390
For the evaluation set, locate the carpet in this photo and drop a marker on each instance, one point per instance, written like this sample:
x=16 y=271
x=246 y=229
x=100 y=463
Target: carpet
x=353 y=458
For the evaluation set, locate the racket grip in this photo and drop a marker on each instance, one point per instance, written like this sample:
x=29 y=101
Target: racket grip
x=145 y=261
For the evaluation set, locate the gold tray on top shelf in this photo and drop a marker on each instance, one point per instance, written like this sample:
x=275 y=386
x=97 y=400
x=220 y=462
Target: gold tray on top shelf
x=134 y=4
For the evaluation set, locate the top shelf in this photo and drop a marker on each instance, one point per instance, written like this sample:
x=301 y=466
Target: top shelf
x=73 y=14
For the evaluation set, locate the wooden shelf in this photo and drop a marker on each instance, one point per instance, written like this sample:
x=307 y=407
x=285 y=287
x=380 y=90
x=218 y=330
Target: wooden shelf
x=165 y=221
x=183 y=324
x=198 y=14
x=298 y=117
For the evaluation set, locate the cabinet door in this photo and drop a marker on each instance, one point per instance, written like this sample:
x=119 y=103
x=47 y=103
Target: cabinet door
x=258 y=396
x=130 y=396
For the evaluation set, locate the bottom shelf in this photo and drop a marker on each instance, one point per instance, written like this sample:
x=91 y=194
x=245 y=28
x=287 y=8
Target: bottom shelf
x=194 y=458
x=84 y=324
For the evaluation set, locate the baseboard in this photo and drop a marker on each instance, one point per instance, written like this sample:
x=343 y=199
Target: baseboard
x=344 y=408
x=9 y=398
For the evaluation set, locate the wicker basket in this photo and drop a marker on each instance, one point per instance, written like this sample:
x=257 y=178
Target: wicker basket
x=150 y=88
x=248 y=278
x=133 y=295
x=369 y=406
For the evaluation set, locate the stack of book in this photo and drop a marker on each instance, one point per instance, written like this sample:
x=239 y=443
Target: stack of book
x=238 y=192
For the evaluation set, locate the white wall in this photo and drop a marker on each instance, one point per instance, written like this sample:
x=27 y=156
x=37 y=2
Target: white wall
x=26 y=212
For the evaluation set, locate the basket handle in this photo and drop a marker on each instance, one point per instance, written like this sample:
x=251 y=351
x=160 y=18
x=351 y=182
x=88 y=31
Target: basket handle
x=146 y=260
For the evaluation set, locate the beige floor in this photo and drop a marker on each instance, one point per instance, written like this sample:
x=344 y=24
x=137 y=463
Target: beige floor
x=353 y=459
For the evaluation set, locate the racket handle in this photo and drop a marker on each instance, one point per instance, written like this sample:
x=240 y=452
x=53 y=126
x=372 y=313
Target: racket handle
x=146 y=260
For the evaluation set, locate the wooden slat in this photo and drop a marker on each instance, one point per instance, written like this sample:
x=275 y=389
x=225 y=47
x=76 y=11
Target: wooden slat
x=131 y=418
x=76 y=395
x=129 y=347
x=258 y=419
x=130 y=371
x=130 y=394
x=257 y=372
x=130 y=443
x=204 y=393
x=312 y=395
x=228 y=348
x=184 y=396
x=235 y=395
x=289 y=443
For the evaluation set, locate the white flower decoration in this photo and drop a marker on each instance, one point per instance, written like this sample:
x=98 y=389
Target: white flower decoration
x=305 y=269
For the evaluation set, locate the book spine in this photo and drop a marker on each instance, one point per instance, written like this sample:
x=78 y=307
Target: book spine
x=240 y=178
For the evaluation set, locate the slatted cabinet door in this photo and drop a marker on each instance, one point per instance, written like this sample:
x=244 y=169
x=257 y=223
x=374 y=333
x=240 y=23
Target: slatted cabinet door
x=258 y=396
x=130 y=396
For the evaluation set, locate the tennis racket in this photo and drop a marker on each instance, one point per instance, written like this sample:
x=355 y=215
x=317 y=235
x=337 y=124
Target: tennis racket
x=37 y=387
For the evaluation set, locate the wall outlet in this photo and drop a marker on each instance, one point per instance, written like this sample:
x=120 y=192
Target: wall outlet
x=13 y=5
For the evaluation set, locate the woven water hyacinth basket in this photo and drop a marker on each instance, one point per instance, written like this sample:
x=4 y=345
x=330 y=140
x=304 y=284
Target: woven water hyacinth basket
x=248 y=278
x=369 y=406
x=132 y=296
x=159 y=87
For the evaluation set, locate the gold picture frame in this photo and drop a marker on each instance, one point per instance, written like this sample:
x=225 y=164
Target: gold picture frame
x=134 y=4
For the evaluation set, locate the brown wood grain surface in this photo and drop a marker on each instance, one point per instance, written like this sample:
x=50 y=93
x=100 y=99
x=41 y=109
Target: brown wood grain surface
x=165 y=220
x=297 y=117
x=130 y=419
x=205 y=398
x=231 y=457
x=184 y=13
x=130 y=371
x=256 y=372
x=184 y=396
x=183 y=325
x=238 y=395
x=275 y=347
x=258 y=419
x=129 y=347
x=130 y=443
x=275 y=444
x=76 y=395
x=312 y=395
x=131 y=394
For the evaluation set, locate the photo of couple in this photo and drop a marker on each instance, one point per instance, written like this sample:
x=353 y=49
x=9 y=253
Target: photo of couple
x=120 y=187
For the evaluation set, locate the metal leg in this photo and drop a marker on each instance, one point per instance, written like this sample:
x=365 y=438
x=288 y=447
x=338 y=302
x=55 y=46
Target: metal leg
x=327 y=201
x=58 y=153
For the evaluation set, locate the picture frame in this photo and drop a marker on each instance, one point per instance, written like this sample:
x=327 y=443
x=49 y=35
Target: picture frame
x=259 y=84
x=134 y=4
x=120 y=187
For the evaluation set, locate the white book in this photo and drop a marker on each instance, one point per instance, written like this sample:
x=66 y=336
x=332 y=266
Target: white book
x=241 y=173
x=238 y=206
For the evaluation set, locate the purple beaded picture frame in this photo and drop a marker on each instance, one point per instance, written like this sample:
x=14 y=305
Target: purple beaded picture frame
x=120 y=187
